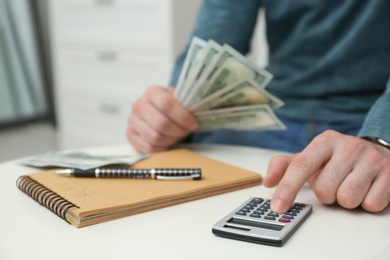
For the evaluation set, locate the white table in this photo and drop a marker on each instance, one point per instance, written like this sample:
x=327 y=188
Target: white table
x=30 y=231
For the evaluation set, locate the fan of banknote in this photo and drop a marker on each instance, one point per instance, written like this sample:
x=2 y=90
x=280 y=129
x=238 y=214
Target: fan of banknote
x=224 y=89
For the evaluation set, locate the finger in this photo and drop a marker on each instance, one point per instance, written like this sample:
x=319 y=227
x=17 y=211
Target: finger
x=146 y=138
x=158 y=121
x=329 y=178
x=141 y=145
x=167 y=105
x=301 y=168
x=355 y=186
x=276 y=169
x=378 y=197
x=136 y=142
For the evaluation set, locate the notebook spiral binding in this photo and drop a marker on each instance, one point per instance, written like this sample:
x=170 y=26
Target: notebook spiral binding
x=51 y=200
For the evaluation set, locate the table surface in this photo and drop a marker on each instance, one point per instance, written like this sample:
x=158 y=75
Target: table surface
x=30 y=231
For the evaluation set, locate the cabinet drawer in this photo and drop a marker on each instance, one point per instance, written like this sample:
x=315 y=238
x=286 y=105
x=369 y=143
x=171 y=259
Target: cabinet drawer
x=113 y=67
x=135 y=22
x=82 y=140
x=93 y=114
x=101 y=91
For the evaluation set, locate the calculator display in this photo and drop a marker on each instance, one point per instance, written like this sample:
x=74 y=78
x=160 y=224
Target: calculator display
x=254 y=221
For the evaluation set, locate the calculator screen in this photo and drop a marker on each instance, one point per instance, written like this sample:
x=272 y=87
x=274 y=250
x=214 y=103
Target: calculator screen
x=256 y=224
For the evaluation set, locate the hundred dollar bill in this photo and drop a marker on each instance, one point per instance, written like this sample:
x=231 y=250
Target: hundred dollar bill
x=255 y=117
x=228 y=67
x=79 y=160
x=241 y=93
x=208 y=56
x=197 y=45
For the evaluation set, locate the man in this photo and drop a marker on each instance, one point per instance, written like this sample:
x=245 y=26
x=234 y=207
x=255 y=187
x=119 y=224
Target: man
x=331 y=66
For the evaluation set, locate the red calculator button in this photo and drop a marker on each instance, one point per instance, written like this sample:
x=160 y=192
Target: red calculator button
x=284 y=220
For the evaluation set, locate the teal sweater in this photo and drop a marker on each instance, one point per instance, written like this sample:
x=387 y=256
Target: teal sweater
x=330 y=59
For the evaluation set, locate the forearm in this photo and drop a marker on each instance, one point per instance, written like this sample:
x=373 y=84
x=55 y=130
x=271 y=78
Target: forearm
x=377 y=123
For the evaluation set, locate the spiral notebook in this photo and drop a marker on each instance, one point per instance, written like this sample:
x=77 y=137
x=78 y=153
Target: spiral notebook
x=87 y=201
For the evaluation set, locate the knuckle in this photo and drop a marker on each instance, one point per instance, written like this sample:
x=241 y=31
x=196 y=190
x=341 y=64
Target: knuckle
x=149 y=149
x=348 y=198
x=376 y=159
x=374 y=205
x=324 y=193
x=130 y=121
x=129 y=136
x=302 y=163
x=151 y=90
x=165 y=103
x=276 y=160
x=345 y=201
x=154 y=139
x=326 y=136
x=161 y=124
x=137 y=106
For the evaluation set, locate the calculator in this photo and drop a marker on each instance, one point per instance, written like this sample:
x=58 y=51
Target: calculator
x=253 y=221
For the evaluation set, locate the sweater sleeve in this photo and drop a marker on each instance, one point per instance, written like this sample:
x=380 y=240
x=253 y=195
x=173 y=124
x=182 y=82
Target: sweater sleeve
x=224 y=21
x=377 y=122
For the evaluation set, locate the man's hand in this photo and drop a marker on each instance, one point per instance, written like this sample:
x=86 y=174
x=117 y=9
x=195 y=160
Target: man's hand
x=158 y=121
x=340 y=168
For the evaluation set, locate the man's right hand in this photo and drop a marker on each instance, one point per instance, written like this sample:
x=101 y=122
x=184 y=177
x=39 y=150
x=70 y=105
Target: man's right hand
x=158 y=121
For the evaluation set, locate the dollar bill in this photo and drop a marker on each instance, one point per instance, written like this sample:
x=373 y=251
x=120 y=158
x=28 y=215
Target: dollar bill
x=241 y=93
x=79 y=160
x=197 y=45
x=228 y=67
x=208 y=56
x=225 y=90
x=254 y=117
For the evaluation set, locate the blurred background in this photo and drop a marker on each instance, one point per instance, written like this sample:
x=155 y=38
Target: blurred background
x=71 y=69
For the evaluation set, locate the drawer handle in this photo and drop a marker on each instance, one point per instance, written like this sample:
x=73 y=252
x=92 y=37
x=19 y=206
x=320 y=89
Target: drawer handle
x=107 y=55
x=104 y=2
x=109 y=108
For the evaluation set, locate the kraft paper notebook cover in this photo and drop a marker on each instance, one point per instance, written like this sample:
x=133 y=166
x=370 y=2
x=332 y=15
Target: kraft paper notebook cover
x=87 y=201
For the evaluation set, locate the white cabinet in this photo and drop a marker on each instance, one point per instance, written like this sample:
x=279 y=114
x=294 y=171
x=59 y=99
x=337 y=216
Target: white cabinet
x=105 y=54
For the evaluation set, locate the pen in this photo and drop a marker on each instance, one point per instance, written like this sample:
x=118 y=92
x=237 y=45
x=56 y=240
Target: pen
x=158 y=173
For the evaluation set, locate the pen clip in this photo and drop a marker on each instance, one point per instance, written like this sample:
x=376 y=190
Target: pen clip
x=177 y=174
x=194 y=176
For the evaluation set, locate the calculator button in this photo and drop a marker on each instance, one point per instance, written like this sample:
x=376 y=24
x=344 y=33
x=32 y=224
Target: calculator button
x=300 y=205
x=259 y=212
x=253 y=205
x=288 y=216
x=269 y=217
x=242 y=213
x=248 y=207
x=291 y=214
x=245 y=210
x=297 y=207
x=272 y=214
x=263 y=209
x=295 y=210
x=254 y=215
x=256 y=201
x=284 y=220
